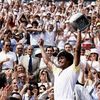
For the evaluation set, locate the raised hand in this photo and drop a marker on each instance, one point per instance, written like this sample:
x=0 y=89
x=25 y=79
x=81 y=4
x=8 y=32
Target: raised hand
x=41 y=43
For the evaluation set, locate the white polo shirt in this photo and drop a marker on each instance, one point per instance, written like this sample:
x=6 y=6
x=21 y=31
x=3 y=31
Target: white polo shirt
x=34 y=38
x=11 y=56
x=64 y=82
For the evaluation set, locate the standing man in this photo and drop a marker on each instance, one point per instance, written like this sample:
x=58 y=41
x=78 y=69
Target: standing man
x=31 y=63
x=66 y=73
x=19 y=53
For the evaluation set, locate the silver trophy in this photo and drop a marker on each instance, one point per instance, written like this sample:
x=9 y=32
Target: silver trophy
x=79 y=21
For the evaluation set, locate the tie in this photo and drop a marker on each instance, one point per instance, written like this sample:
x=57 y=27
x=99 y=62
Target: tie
x=16 y=59
x=30 y=65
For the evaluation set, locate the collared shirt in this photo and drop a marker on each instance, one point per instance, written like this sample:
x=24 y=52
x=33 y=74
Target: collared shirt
x=27 y=97
x=35 y=37
x=65 y=81
x=4 y=56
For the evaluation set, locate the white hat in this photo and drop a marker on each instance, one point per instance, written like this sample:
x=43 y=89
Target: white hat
x=29 y=25
x=93 y=3
x=38 y=51
x=94 y=50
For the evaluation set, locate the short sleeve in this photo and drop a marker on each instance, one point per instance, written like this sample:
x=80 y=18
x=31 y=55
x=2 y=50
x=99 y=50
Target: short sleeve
x=55 y=69
x=75 y=68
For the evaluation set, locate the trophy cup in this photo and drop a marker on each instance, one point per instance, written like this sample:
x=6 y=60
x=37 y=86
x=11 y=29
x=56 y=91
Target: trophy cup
x=79 y=21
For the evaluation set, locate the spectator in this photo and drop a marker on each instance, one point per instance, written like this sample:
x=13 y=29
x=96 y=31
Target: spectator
x=31 y=63
x=8 y=58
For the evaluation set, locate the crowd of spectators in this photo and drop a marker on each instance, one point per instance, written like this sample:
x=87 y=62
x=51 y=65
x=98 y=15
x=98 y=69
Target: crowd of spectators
x=23 y=73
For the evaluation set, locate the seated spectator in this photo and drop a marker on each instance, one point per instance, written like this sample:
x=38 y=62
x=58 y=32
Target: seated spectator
x=44 y=78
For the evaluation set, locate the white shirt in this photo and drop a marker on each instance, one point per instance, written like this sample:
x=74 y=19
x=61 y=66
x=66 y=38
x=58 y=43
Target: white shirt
x=11 y=56
x=94 y=64
x=26 y=97
x=64 y=82
x=34 y=38
x=49 y=38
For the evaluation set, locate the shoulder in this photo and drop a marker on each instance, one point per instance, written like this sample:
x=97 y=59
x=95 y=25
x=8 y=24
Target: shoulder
x=35 y=59
x=75 y=68
x=55 y=69
x=24 y=57
x=11 y=53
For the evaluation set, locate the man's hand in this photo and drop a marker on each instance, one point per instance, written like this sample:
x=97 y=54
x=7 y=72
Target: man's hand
x=41 y=43
x=7 y=59
x=5 y=92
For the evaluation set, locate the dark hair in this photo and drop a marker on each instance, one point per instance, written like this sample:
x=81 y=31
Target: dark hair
x=57 y=51
x=14 y=98
x=8 y=31
x=97 y=83
x=42 y=86
x=7 y=40
x=49 y=47
x=48 y=76
x=97 y=56
x=35 y=23
x=3 y=80
x=68 y=44
x=69 y=57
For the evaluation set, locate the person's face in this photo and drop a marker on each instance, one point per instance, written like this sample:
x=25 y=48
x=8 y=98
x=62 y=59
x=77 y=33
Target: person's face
x=30 y=50
x=20 y=69
x=19 y=49
x=49 y=52
x=42 y=89
x=14 y=85
x=7 y=46
x=50 y=28
x=93 y=57
x=94 y=73
x=22 y=77
x=98 y=27
x=98 y=90
x=43 y=76
x=62 y=62
x=68 y=48
x=82 y=52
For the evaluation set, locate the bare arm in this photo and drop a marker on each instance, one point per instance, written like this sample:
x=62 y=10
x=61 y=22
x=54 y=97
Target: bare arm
x=46 y=59
x=34 y=29
x=77 y=50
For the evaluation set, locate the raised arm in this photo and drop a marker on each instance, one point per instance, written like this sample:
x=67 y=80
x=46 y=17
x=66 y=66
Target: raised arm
x=46 y=59
x=77 y=49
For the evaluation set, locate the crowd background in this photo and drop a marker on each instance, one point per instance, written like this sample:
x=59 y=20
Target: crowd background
x=24 y=75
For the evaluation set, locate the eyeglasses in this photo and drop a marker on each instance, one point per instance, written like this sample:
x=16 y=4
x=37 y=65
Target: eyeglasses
x=8 y=45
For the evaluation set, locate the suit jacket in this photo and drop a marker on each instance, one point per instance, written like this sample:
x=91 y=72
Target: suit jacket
x=35 y=64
